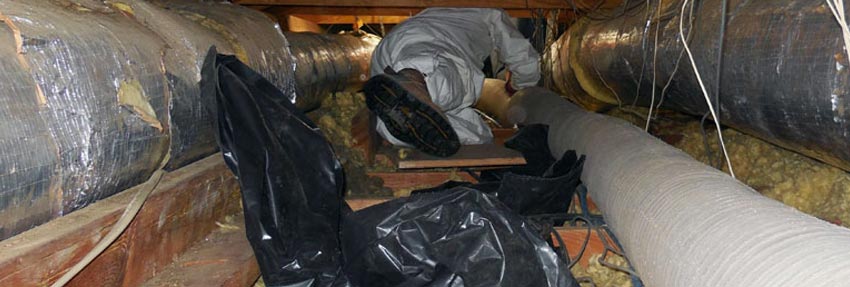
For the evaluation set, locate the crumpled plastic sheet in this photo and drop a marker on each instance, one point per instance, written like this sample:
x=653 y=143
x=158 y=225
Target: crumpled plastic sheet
x=304 y=234
x=97 y=96
x=326 y=63
x=455 y=237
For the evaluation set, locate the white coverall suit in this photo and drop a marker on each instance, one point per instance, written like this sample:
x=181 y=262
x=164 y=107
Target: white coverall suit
x=449 y=46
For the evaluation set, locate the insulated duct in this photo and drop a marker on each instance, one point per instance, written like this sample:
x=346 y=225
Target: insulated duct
x=784 y=70
x=326 y=63
x=95 y=97
x=683 y=223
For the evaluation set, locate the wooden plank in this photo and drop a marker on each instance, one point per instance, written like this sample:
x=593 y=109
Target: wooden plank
x=224 y=259
x=180 y=211
x=299 y=24
x=184 y=212
x=574 y=237
x=374 y=11
x=506 y=4
x=365 y=135
x=361 y=203
x=338 y=10
x=500 y=135
x=407 y=180
x=485 y=155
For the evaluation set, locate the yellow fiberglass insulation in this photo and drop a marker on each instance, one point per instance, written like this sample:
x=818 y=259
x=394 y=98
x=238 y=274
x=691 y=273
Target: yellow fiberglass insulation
x=796 y=180
x=334 y=118
x=601 y=275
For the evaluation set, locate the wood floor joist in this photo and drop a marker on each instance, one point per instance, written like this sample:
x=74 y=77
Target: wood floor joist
x=180 y=212
x=224 y=259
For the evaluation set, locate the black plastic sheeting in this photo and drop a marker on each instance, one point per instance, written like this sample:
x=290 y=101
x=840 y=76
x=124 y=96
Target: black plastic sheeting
x=455 y=237
x=784 y=69
x=304 y=234
x=290 y=179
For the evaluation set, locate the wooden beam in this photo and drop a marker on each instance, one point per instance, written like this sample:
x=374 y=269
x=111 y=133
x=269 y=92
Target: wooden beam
x=338 y=10
x=181 y=211
x=351 y=19
x=407 y=180
x=371 y=11
x=299 y=24
x=365 y=135
x=224 y=259
x=506 y=4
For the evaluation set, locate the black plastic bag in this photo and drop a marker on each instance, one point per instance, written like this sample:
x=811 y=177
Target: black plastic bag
x=292 y=187
x=455 y=237
x=291 y=181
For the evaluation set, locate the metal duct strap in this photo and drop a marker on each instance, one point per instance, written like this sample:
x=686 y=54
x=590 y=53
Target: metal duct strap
x=683 y=223
x=784 y=70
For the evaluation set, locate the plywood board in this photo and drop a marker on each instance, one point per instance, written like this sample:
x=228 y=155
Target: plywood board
x=486 y=155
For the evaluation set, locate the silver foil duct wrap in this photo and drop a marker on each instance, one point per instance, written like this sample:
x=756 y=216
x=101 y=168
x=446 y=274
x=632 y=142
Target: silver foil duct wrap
x=95 y=97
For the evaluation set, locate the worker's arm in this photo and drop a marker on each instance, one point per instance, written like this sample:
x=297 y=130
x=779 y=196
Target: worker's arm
x=514 y=50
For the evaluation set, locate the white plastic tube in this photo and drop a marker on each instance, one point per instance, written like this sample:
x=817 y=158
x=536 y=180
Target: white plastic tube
x=683 y=223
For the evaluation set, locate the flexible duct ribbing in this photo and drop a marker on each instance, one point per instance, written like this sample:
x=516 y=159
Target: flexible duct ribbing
x=683 y=223
x=326 y=63
x=785 y=76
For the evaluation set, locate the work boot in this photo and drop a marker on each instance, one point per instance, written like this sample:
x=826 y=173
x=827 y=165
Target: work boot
x=402 y=102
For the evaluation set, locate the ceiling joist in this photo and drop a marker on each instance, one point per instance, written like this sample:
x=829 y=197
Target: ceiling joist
x=505 y=4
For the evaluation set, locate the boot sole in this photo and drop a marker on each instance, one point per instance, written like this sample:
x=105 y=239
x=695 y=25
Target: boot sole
x=409 y=119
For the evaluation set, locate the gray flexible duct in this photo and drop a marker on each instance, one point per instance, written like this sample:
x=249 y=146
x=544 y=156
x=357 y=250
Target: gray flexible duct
x=683 y=223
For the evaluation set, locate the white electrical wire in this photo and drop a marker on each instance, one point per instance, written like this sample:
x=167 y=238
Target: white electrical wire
x=702 y=86
x=654 y=65
x=837 y=8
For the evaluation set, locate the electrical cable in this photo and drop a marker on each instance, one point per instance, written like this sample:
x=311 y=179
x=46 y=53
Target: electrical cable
x=123 y=222
x=654 y=65
x=702 y=86
x=583 y=248
x=707 y=147
x=678 y=62
x=643 y=45
x=608 y=248
x=837 y=9
x=719 y=73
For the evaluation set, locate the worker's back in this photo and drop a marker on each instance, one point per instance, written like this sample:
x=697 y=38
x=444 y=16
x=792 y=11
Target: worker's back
x=463 y=32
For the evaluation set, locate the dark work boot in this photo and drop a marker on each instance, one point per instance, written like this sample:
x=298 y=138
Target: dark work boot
x=402 y=102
